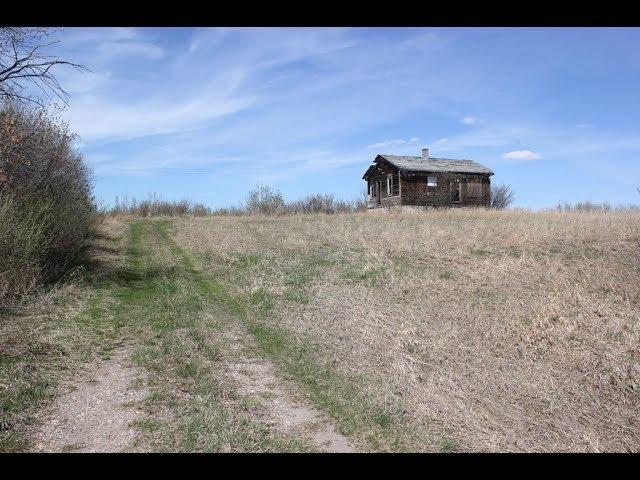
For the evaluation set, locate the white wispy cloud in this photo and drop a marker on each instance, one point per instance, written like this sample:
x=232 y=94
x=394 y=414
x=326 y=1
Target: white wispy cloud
x=218 y=73
x=95 y=117
x=469 y=120
x=524 y=155
x=393 y=143
x=138 y=50
x=388 y=143
x=100 y=45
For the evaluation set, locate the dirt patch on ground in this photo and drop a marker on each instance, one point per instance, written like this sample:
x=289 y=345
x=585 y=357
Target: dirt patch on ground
x=96 y=414
x=256 y=377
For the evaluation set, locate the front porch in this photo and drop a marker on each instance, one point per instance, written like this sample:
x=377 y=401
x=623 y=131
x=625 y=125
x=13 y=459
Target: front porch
x=374 y=201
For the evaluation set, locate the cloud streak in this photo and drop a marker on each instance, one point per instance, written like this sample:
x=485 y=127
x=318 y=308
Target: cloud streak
x=524 y=155
x=392 y=143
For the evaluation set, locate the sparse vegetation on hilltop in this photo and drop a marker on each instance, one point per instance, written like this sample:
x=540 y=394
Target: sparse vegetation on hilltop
x=263 y=200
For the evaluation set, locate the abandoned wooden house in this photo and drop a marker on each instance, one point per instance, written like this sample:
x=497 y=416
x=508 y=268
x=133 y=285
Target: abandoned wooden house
x=395 y=180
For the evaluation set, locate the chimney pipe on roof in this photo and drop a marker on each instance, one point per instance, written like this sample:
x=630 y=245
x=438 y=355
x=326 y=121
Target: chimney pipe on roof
x=425 y=153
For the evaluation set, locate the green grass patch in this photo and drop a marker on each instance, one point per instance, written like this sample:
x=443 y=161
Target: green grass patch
x=368 y=276
x=447 y=445
x=480 y=252
x=445 y=274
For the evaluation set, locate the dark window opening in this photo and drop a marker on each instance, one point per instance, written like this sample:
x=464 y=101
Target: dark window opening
x=455 y=190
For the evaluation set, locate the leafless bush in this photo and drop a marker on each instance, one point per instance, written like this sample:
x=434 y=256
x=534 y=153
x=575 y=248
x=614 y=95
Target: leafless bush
x=501 y=196
x=319 y=203
x=46 y=204
x=585 y=206
x=265 y=200
x=316 y=203
x=200 y=210
x=588 y=206
x=230 y=211
x=361 y=203
x=155 y=206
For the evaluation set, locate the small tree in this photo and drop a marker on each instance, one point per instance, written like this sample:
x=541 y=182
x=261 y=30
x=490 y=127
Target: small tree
x=501 y=196
x=266 y=200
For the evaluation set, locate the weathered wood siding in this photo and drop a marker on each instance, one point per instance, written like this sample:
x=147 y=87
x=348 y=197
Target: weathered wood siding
x=380 y=174
x=416 y=192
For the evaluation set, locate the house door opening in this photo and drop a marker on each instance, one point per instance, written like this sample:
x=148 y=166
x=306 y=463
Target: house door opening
x=455 y=190
x=378 y=190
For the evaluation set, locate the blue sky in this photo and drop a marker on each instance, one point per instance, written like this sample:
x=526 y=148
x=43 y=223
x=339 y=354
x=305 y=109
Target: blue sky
x=209 y=113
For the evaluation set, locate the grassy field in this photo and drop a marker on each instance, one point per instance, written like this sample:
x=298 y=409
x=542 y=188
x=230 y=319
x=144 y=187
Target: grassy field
x=143 y=289
x=470 y=329
x=447 y=330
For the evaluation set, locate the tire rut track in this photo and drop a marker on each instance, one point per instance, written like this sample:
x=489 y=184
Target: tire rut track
x=96 y=414
x=256 y=377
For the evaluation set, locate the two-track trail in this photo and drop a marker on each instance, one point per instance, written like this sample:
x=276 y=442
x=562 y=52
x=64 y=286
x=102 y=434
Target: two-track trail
x=185 y=374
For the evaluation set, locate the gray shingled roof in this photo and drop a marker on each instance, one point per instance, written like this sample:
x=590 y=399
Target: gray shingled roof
x=435 y=164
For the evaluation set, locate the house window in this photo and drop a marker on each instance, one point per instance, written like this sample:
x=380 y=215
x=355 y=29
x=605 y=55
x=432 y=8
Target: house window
x=389 y=186
x=474 y=190
x=432 y=181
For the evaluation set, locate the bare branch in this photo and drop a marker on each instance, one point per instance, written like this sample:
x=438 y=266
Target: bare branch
x=501 y=196
x=23 y=64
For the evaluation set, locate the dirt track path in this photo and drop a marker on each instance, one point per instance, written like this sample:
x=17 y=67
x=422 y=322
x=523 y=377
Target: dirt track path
x=256 y=377
x=96 y=414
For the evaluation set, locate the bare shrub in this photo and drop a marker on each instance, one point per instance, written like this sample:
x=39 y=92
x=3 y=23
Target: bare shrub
x=155 y=206
x=231 y=211
x=361 y=203
x=585 y=206
x=588 y=206
x=317 y=203
x=501 y=196
x=265 y=200
x=323 y=203
x=200 y=210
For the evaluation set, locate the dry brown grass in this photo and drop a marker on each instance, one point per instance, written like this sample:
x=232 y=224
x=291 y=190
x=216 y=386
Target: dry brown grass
x=494 y=330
